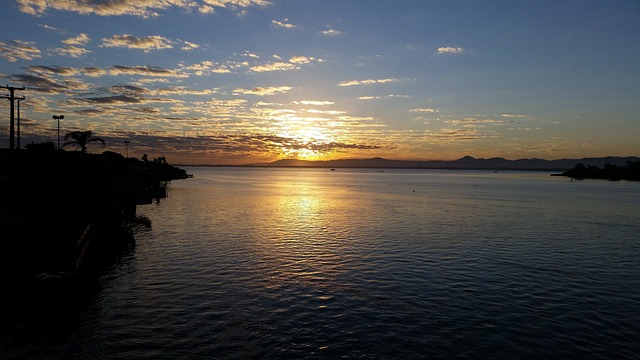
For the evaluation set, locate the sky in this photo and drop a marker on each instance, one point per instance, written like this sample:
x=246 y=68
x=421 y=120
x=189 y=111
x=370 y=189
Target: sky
x=250 y=81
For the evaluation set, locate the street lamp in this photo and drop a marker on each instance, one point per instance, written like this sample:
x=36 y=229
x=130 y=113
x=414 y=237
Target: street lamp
x=126 y=144
x=58 y=118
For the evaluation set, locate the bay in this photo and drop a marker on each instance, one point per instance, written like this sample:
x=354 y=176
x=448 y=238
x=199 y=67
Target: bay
x=360 y=263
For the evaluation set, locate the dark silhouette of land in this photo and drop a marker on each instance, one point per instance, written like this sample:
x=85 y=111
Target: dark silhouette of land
x=464 y=163
x=59 y=208
x=630 y=171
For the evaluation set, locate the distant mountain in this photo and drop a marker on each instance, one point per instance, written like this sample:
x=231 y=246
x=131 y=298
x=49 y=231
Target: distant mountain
x=466 y=163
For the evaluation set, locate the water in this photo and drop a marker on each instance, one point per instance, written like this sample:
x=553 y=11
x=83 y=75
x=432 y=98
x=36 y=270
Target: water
x=310 y=263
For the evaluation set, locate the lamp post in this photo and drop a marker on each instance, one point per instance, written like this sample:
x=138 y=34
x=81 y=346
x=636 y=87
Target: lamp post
x=60 y=117
x=126 y=144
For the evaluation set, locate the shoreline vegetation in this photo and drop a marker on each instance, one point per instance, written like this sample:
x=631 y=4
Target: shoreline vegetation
x=630 y=171
x=62 y=211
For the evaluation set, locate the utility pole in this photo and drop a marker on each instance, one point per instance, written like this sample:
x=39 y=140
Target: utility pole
x=12 y=99
x=18 y=132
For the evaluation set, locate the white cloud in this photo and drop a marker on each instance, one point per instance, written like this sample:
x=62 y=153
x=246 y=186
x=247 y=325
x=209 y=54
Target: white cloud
x=263 y=91
x=366 y=82
x=276 y=66
x=450 y=50
x=315 y=102
x=328 y=112
x=48 y=27
x=71 y=51
x=207 y=67
x=144 y=71
x=428 y=110
x=283 y=24
x=147 y=43
x=237 y=3
x=81 y=39
x=188 y=46
x=143 y=8
x=331 y=32
x=300 y=60
x=513 y=115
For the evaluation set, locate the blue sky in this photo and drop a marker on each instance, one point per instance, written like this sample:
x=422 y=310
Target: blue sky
x=240 y=81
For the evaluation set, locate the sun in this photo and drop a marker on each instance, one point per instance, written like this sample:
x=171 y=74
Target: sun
x=307 y=143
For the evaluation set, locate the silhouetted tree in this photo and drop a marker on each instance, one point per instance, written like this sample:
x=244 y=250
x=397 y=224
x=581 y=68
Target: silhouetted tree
x=81 y=139
x=48 y=146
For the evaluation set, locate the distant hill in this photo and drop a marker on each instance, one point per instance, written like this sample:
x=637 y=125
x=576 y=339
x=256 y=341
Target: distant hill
x=464 y=163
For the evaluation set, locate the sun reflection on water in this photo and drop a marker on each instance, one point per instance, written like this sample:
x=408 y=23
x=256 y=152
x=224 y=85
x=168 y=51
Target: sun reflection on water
x=303 y=238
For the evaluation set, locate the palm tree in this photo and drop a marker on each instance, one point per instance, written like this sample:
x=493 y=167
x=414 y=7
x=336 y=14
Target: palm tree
x=81 y=139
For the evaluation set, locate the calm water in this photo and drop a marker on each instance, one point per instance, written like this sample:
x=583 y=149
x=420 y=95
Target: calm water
x=309 y=263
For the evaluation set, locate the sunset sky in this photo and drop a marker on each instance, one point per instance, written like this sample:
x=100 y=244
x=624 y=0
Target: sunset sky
x=243 y=81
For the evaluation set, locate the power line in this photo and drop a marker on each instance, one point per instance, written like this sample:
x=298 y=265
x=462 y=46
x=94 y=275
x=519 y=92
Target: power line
x=12 y=98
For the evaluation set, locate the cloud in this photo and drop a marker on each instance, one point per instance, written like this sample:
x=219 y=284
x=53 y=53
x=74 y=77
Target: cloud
x=127 y=89
x=456 y=135
x=143 y=8
x=15 y=50
x=327 y=112
x=472 y=125
x=263 y=91
x=70 y=51
x=147 y=70
x=366 y=82
x=116 y=99
x=207 y=67
x=48 y=27
x=300 y=60
x=428 y=110
x=513 y=115
x=470 y=120
x=237 y=3
x=100 y=7
x=147 y=43
x=94 y=71
x=188 y=46
x=81 y=39
x=355 y=118
x=331 y=32
x=283 y=24
x=316 y=103
x=276 y=66
x=39 y=83
x=182 y=90
x=58 y=70
x=450 y=50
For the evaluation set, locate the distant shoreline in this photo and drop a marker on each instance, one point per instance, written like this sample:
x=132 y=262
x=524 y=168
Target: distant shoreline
x=464 y=163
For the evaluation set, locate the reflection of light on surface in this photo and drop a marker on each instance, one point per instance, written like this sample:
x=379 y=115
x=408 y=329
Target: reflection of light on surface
x=302 y=238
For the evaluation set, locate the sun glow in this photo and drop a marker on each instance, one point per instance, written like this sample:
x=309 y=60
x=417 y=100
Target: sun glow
x=307 y=142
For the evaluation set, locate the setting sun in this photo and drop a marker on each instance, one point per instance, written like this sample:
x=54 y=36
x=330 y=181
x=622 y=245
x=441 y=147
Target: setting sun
x=309 y=140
